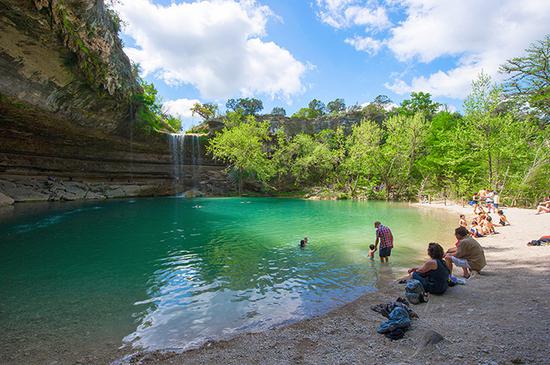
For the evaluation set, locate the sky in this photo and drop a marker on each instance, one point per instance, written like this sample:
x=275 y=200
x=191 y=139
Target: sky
x=288 y=52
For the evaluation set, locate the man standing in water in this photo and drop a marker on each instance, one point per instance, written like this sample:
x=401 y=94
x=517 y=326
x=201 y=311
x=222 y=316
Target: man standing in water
x=385 y=237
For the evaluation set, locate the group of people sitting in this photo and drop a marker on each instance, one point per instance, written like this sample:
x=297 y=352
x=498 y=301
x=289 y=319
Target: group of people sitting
x=435 y=275
x=482 y=224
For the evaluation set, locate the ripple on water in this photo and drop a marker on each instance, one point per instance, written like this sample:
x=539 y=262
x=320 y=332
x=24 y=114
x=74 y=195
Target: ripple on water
x=171 y=273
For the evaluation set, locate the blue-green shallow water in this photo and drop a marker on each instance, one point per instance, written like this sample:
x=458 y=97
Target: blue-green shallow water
x=165 y=273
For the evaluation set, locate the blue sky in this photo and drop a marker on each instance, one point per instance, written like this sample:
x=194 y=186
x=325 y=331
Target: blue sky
x=287 y=52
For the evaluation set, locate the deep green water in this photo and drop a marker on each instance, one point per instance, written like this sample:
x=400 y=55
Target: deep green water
x=169 y=272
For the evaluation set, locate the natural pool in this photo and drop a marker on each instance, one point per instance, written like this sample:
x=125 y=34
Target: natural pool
x=77 y=281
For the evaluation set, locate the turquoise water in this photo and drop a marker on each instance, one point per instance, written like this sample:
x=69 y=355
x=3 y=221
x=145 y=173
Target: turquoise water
x=167 y=273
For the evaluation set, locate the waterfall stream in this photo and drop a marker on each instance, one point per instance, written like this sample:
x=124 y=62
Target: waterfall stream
x=186 y=157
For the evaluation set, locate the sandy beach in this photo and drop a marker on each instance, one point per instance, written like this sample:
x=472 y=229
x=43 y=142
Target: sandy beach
x=498 y=317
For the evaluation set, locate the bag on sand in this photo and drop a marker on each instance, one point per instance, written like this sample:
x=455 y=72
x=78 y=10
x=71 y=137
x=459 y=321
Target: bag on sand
x=414 y=291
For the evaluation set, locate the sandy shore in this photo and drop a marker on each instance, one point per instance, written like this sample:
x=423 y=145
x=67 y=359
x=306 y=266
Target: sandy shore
x=499 y=317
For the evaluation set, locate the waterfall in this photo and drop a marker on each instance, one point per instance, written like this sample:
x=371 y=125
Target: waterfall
x=177 y=152
x=185 y=150
x=196 y=160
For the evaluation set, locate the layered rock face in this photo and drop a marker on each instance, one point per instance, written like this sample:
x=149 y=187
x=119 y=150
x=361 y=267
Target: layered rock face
x=67 y=111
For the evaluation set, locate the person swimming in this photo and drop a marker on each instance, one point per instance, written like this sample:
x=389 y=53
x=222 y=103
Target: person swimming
x=303 y=242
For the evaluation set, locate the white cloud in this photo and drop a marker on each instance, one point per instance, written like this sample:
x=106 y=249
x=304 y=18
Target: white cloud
x=483 y=35
x=214 y=45
x=365 y=44
x=180 y=107
x=479 y=35
x=346 y=13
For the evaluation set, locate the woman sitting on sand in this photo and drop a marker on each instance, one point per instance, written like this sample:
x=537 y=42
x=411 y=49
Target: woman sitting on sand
x=487 y=226
x=475 y=231
x=503 y=221
x=462 y=222
x=544 y=206
x=434 y=274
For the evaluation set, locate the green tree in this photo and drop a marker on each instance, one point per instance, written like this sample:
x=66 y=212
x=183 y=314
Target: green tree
x=205 y=111
x=150 y=112
x=278 y=111
x=336 y=106
x=447 y=164
x=248 y=106
x=305 y=113
x=529 y=77
x=405 y=140
x=382 y=101
x=242 y=147
x=364 y=153
x=420 y=102
x=482 y=121
x=317 y=107
x=311 y=160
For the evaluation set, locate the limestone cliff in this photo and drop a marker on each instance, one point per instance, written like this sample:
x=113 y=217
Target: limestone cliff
x=67 y=110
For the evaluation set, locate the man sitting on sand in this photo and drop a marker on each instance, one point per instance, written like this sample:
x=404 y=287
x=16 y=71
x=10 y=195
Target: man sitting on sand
x=469 y=254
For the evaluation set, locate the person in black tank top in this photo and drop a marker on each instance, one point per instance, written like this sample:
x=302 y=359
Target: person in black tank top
x=434 y=274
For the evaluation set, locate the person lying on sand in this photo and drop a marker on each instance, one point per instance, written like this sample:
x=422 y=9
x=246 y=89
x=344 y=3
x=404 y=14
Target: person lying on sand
x=469 y=254
x=434 y=273
x=543 y=241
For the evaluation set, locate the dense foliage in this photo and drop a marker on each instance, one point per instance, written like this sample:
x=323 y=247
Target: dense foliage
x=414 y=149
x=150 y=114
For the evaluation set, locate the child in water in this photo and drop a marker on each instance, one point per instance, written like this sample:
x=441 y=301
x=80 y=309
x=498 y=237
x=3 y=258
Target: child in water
x=371 y=252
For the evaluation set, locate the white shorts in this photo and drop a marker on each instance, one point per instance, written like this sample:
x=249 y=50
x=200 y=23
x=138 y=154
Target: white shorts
x=460 y=262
